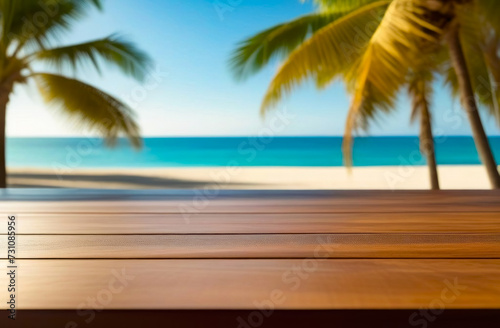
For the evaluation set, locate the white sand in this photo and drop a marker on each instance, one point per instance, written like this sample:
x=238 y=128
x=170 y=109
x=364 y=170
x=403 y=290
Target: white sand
x=388 y=177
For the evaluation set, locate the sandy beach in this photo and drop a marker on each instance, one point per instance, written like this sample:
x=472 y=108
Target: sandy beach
x=386 y=178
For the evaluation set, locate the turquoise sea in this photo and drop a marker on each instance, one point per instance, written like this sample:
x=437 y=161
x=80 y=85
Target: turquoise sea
x=241 y=151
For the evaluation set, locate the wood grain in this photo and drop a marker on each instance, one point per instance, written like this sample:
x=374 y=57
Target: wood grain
x=245 y=284
x=237 y=249
x=251 y=202
x=244 y=223
x=257 y=246
x=62 y=195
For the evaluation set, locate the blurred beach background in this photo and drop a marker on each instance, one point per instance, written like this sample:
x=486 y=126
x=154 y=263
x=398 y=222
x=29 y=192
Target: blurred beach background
x=242 y=163
x=202 y=128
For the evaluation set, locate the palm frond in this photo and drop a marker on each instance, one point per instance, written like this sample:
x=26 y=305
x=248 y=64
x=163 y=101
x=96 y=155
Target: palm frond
x=97 y=4
x=89 y=107
x=277 y=42
x=489 y=10
x=113 y=50
x=492 y=57
x=35 y=22
x=339 y=6
x=481 y=54
x=335 y=48
x=381 y=72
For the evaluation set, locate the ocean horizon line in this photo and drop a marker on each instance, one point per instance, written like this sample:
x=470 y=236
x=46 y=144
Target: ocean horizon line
x=240 y=151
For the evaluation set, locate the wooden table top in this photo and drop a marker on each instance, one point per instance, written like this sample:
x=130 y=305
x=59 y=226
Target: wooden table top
x=242 y=249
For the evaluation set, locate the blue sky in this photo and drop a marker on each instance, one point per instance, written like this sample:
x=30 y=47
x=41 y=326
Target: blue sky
x=194 y=93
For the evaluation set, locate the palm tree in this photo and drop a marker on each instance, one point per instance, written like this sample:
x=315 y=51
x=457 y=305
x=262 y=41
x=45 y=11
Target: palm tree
x=373 y=45
x=29 y=27
x=420 y=90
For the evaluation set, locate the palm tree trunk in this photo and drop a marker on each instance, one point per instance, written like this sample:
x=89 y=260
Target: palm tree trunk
x=427 y=147
x=4 y=99
x=469 y=102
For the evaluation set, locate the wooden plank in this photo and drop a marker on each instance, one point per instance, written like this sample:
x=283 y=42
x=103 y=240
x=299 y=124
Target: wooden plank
x=247 y=284
x=234 y=202
x=189 y=209
x=75 y=223
x=183 y=194
x=257 y=246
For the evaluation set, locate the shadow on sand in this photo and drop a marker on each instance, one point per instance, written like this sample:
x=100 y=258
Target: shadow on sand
x=37 y=180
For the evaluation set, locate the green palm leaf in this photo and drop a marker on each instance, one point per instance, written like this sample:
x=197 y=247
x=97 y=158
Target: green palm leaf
x=21 y=25
x=481 y=61
x=339 y=6
x=277 y=42
x=335 y=48
x=89 y=107
x=492 y=58
x=377 y=67
x=489 y=10
x=113 y=50
x=382 y=71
